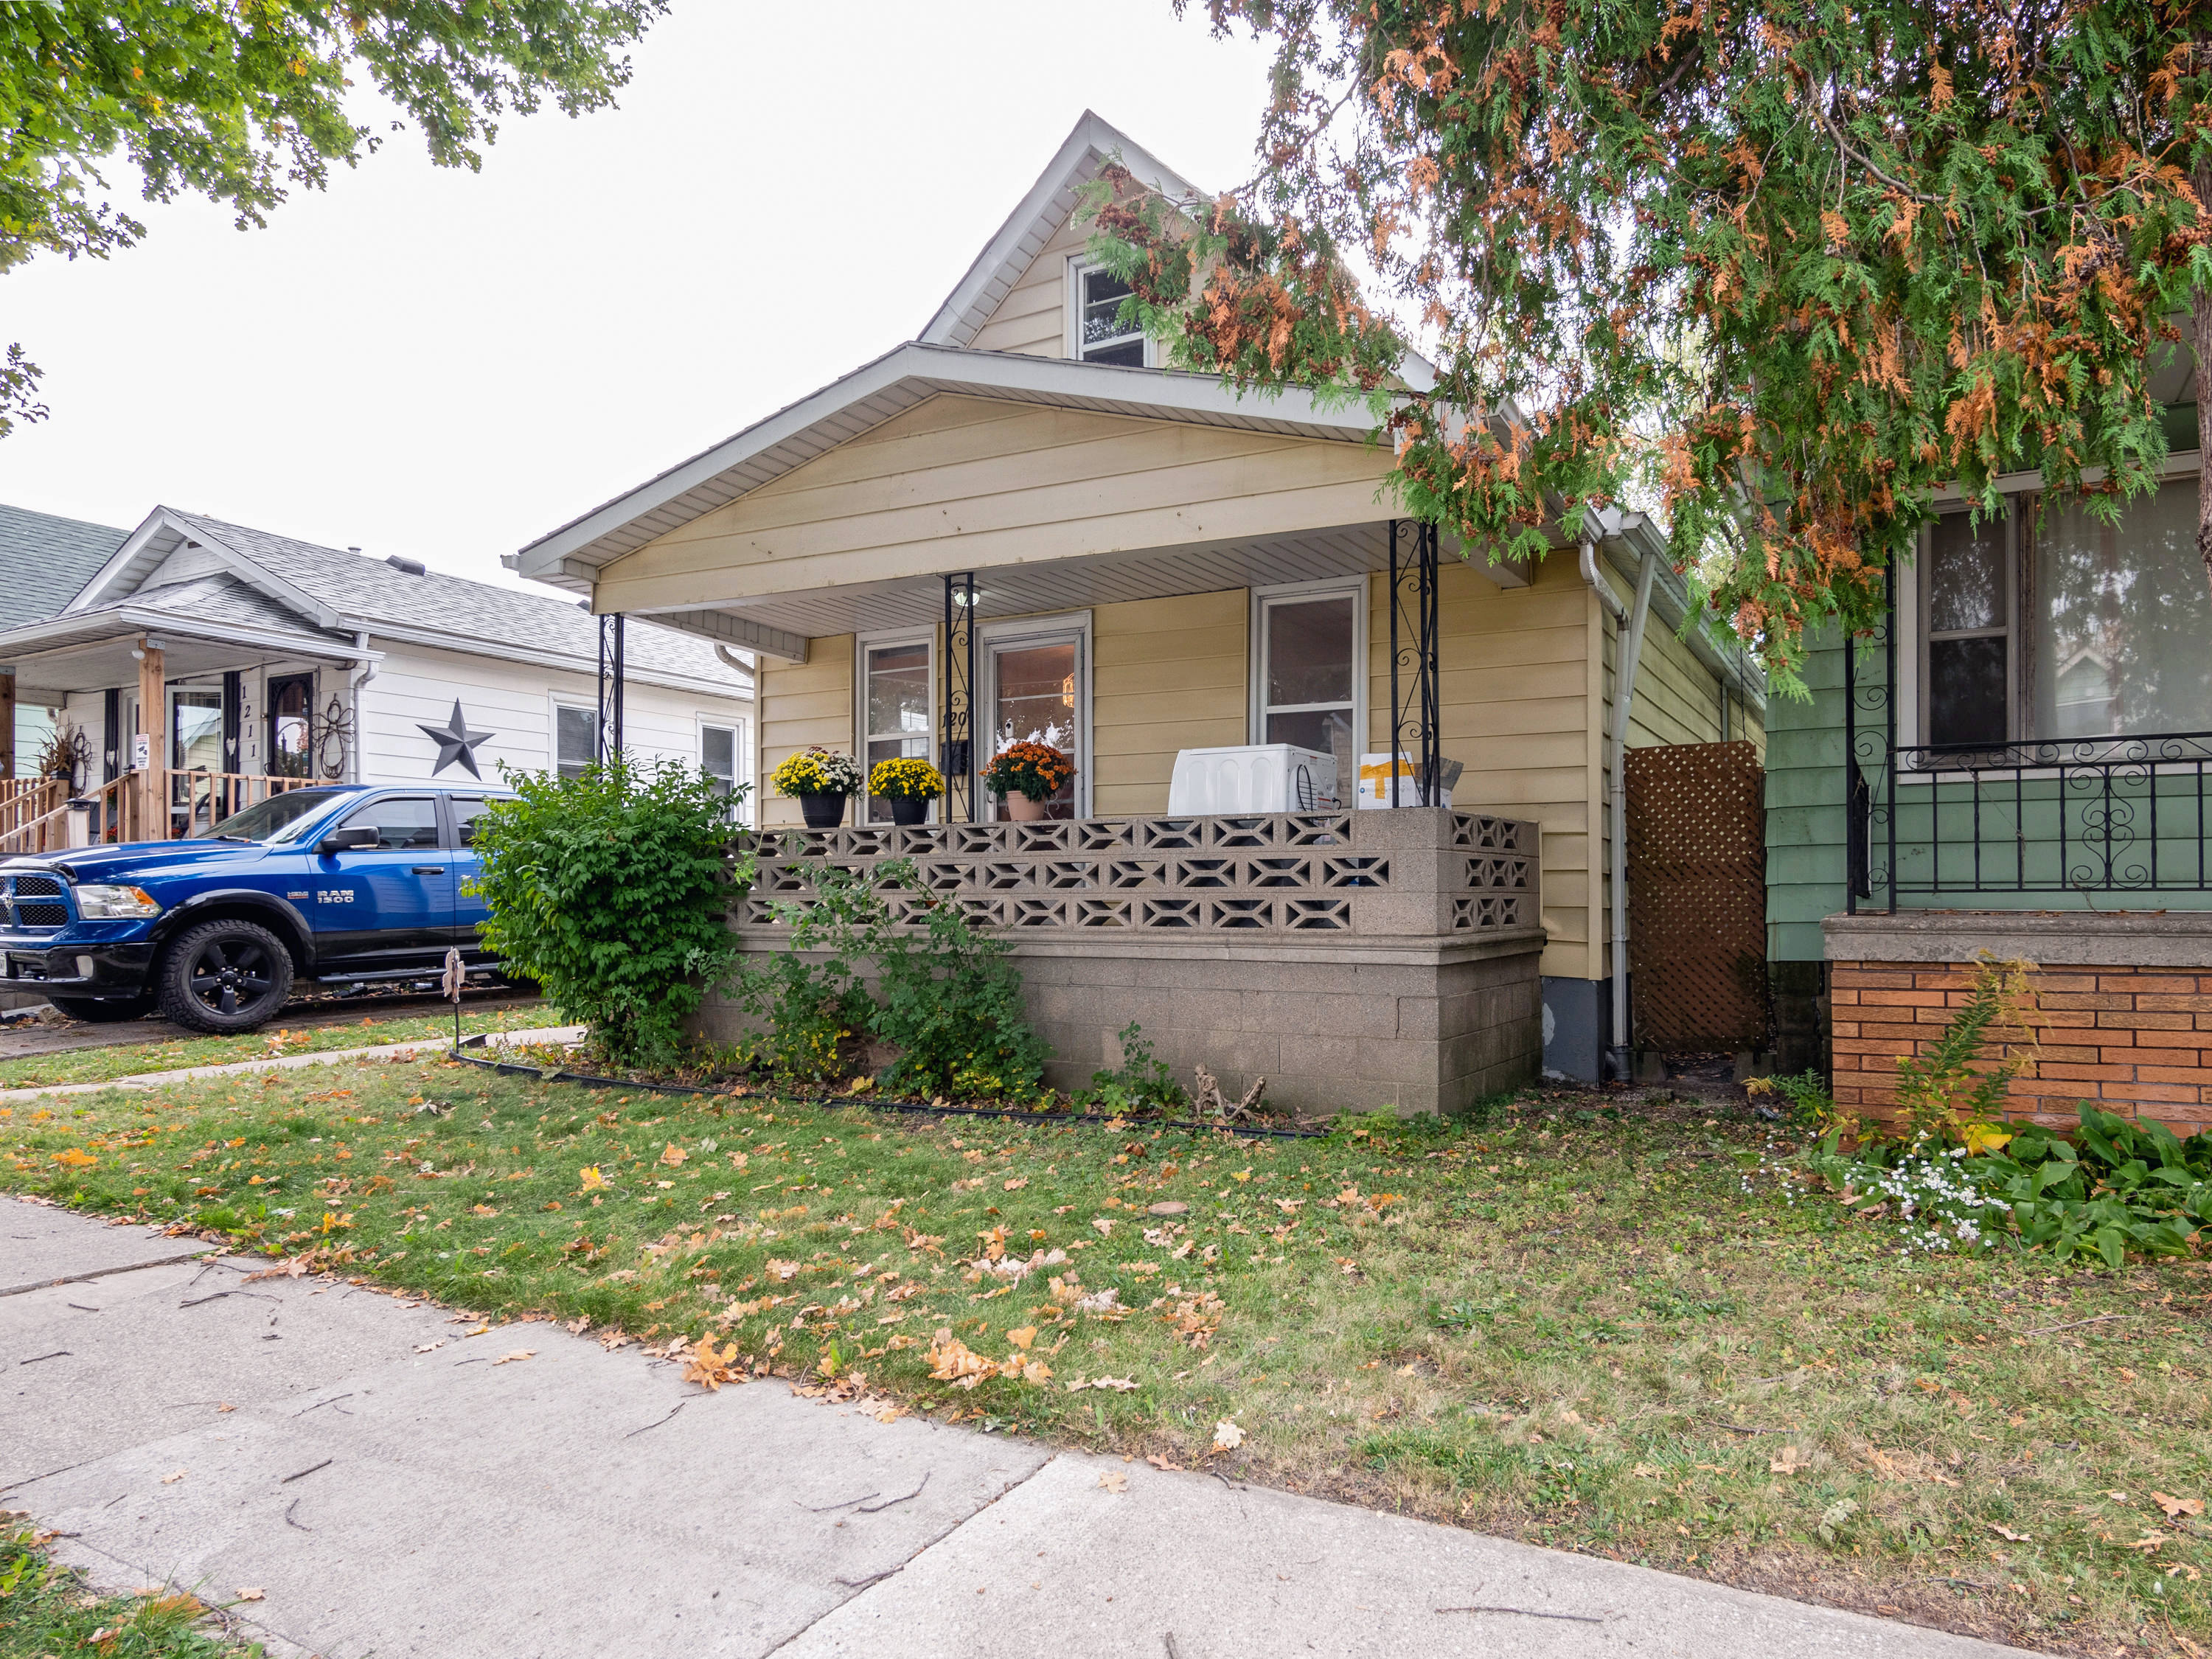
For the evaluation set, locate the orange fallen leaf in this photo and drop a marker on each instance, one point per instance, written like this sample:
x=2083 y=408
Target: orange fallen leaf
x=2177 y=1507
x=672 y=1155
x=1114 y=1480
x=252 y=1593
x=519 y=1353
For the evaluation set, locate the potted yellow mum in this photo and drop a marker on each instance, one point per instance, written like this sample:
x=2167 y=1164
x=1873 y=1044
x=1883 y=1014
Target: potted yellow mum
x=909 y=784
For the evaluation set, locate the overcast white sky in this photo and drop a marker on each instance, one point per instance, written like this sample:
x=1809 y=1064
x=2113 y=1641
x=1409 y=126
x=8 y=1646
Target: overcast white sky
x=448 y=365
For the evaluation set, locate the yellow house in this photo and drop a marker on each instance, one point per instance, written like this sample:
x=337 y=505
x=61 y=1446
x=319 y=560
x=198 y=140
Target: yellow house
x=1020 y=525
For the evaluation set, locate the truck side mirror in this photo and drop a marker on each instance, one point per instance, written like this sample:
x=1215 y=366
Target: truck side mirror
x=351 y=839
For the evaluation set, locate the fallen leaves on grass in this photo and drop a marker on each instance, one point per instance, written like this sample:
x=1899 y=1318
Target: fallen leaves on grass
x=1227 y=1436
x=2006 y=1533
x=593 y=1182
x=1119 y=1384
x=2177 y=1507
x=1794 y=1460
x=1196 y=1318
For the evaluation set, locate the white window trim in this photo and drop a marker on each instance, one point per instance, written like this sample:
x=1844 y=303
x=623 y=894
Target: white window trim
x=1256 y=652
x=862 y=644
x=741 y=752
x=1014 y=631
x=1079 y=265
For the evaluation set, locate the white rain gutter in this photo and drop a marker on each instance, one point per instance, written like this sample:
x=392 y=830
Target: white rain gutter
x=1628 y=655
x=364 y=671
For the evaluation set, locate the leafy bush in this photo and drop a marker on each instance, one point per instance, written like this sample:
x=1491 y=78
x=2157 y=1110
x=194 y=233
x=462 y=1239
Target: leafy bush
x=948 y=998
x=1949 y=1092
x=612 y=890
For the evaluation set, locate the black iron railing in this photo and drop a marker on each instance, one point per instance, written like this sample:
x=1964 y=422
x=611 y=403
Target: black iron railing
x=2088 y=816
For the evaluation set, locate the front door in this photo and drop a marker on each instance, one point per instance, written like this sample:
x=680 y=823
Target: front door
x=387 y=907
x=1035 y=687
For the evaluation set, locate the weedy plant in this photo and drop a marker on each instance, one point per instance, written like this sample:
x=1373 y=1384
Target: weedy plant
x=1140 y=1083
x=918 y=978
x=1956 y=1176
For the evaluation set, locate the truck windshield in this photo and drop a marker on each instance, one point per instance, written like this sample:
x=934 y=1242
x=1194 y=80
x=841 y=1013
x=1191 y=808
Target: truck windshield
x=280 y=819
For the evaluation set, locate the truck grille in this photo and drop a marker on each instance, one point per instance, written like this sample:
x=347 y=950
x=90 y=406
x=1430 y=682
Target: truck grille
x=33 y=902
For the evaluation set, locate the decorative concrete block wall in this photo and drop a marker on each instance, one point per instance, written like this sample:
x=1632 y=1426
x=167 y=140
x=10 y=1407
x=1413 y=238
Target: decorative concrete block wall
x=1365 y=961
x=2122 y=1008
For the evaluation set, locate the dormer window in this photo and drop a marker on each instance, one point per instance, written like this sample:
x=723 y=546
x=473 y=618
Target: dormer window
x=1100 y=335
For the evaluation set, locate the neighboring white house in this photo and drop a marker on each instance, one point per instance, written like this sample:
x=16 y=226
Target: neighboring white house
x=278 y=659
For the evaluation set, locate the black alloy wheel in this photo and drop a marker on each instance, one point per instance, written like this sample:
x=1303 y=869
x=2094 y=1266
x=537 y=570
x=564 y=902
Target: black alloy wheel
x=227 y=976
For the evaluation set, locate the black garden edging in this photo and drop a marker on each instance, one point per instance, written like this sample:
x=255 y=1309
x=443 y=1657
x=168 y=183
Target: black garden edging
x=913 y=1107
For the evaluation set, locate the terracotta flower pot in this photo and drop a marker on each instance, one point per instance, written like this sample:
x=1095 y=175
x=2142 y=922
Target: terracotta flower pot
x=1021 y=810
x=908 y=809
x=823 y=811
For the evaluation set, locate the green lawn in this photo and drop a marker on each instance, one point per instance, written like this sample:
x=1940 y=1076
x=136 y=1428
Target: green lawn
x=1620 y=1331
x=127 y=1059
x=46 y=1612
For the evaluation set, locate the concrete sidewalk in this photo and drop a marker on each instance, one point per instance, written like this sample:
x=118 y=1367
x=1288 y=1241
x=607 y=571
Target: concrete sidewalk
x=478 y=1043
x=398 y=1485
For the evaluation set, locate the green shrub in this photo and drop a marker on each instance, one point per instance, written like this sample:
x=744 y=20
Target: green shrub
x=947 y=997
x=612 y=890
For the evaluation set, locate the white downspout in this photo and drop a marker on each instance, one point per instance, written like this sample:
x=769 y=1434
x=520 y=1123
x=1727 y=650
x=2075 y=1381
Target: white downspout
x=1627 y=655
x=364 y=671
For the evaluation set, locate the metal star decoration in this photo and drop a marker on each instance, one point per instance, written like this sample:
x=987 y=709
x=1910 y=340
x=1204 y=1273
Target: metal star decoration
x=456 y=741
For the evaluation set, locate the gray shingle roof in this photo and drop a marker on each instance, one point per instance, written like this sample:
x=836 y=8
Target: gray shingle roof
x=222 y=597
x=368 y=593
x=46 y=561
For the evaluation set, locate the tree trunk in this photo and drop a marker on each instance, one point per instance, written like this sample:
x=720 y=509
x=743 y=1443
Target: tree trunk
x=2201 y=309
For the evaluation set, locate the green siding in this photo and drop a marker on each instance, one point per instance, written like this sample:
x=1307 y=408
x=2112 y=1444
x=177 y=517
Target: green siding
x=1805 y=846
x=1805 y=806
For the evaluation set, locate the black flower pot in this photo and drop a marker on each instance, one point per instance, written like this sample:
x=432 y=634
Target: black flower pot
x=823 y=811
x=908 y=809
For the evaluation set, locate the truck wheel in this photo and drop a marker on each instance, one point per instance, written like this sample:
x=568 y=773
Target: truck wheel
x=105 y=1011
x=227 y=976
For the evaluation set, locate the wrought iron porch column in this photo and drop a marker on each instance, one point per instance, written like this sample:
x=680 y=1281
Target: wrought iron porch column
x=609 y=727
x=955 y=750
x=1413 y=696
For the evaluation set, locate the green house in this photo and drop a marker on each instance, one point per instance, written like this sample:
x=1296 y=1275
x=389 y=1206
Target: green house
x=2017 y=761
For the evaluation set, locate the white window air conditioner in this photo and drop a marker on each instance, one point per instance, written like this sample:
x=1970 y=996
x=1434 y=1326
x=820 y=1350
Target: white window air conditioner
x=1263 y=777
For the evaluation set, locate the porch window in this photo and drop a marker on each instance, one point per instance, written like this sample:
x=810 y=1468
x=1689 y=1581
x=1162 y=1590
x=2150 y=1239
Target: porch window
x=576 y=739
x=896 y=697
x=2046 y=624
x=291 y=711
x=1036 y=689
x=1100 y=336
x=1308 y=666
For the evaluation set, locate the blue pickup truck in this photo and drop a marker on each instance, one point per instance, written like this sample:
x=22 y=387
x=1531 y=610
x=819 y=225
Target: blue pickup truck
x=346 y=885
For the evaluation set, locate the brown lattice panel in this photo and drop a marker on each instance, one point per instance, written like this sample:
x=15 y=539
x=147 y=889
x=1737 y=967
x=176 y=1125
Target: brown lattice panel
x=1696 y=895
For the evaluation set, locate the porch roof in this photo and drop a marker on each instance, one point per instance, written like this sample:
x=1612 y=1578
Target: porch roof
x=206 y=625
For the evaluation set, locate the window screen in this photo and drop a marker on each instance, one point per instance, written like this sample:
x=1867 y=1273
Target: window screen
x=898 y=710
x=577 y=737
x=1310 y=652
x=718 y=757
x=1969 y=645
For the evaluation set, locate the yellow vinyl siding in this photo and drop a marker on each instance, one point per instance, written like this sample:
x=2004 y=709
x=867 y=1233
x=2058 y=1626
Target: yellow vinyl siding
x=803 y=705
x=1033 y=317
x=1167 y=675
x=1514 y=709
x=961 y=482
x=1678 y=698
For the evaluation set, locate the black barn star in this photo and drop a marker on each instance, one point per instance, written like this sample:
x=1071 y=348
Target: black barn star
x=456 y=741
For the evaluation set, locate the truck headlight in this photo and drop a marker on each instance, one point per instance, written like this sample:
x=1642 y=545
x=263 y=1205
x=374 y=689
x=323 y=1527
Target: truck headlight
x=116 y=903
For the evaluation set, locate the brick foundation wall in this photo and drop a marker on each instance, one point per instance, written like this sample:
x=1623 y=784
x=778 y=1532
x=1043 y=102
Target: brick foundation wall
x=2137 y=1040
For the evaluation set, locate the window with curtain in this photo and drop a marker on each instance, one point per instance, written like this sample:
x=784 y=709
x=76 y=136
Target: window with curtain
x=2047 y=624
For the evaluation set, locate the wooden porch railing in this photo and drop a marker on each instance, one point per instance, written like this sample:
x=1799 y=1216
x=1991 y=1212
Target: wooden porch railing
x=168 y=806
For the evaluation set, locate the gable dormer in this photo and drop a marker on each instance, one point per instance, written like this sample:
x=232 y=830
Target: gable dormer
x=1032 y=290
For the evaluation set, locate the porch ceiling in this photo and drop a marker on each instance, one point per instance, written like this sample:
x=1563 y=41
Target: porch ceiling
x=1152 y=573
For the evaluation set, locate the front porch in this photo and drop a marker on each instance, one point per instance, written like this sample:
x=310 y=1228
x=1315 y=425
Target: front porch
x=1357 y=961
